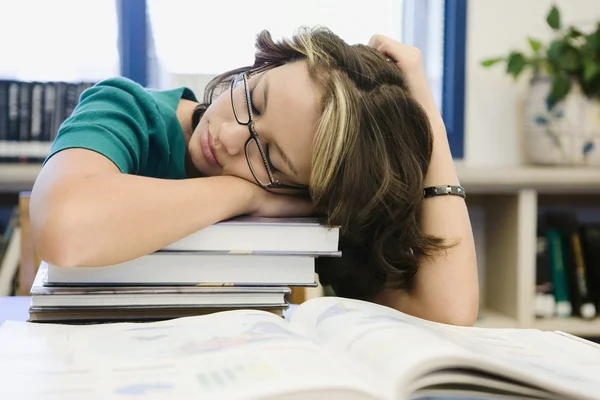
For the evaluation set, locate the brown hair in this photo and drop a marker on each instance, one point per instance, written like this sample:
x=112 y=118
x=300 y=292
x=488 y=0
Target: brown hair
x=370 y=155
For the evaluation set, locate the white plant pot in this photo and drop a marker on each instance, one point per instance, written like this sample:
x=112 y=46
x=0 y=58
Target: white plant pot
x=568 y=134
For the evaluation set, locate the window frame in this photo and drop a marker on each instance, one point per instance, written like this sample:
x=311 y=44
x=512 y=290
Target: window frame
x=133 y=39
x=416 y=32
x=453 y=86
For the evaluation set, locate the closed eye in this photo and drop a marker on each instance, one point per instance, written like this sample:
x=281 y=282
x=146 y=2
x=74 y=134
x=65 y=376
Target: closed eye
x=268 y=155
x=254 y=109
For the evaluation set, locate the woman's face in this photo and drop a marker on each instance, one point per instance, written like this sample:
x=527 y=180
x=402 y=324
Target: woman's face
x=285 y=113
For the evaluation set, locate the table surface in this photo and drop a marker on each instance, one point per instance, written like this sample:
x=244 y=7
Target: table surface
x=14 y=308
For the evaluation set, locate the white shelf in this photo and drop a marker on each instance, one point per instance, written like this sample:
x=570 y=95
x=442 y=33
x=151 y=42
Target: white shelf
x=542 y=179
x=18 y=177
x=494 y=319
x=475 y=179
x=574 y=326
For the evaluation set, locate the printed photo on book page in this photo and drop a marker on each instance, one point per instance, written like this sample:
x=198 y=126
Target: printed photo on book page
x=231 y=355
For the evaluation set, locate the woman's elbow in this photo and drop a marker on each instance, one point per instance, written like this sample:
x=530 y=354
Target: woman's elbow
x=50 y=232
x=463 y=312
x=466 y=317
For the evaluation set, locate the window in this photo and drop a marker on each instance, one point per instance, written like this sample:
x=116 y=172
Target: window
x=423 y=27
x=212 y=37
x=58 y=40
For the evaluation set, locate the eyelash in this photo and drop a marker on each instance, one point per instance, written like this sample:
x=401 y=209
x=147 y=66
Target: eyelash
x=267 y=147
x=254 y=110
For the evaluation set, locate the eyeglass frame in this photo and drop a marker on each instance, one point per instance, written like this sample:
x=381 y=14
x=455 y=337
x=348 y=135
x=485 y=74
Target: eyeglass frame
x=273 y=183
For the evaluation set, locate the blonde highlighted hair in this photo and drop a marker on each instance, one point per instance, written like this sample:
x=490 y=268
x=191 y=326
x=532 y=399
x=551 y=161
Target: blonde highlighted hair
x=370 y=155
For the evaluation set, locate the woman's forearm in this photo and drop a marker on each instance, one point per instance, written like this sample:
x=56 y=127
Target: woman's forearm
x=446 y=287
x=110 y=218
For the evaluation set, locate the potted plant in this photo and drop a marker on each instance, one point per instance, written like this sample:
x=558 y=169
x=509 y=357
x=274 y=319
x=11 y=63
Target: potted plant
x=562 y=109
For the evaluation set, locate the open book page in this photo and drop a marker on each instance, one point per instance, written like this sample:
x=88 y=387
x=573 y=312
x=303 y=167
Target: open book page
x=230 y=355
x=541 y=358
x=395 y=351
x=382 y=347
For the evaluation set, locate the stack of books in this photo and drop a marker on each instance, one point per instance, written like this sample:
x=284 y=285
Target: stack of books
x=242 y=263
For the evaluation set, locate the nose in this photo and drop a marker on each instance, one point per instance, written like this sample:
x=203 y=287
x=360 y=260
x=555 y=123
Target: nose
x=233 y=137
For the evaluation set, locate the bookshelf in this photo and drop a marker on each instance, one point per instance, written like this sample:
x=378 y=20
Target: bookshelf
x=17 y=177
x=504 y=203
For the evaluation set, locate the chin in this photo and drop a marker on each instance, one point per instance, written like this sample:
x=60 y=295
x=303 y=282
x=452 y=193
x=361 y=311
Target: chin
x=195 y=154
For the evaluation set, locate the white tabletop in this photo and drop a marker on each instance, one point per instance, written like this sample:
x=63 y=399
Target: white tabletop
x=14 y=308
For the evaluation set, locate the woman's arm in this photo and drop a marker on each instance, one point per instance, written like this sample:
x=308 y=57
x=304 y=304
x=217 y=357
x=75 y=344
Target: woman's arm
x=84 y=212
x=446 y=289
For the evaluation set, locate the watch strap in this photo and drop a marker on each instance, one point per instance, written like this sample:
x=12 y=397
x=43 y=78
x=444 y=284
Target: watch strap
x=443 y=190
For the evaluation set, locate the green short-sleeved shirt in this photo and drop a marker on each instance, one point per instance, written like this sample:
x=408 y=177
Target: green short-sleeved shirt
x=135 y=127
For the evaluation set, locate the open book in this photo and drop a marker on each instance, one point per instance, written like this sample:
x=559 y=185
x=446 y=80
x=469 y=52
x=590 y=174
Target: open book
x=330 y=348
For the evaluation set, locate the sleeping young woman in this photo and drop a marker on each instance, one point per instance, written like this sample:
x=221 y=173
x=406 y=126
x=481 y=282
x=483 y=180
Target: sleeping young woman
x=315 y=125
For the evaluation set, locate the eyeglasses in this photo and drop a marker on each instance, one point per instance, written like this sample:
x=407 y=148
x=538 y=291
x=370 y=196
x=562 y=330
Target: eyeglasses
x=257 y=158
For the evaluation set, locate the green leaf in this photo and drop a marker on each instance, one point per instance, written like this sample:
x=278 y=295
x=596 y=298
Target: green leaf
x=516 y=63
x=591 y=70
x=561 y=85
x=555 y=51
x=574 y=32
x=570 y=60
x=491 y=61
x=535 y=45
x=564 y=57
x=553 y=18
x=593 y=42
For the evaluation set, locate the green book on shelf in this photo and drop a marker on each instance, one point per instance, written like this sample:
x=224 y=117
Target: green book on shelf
x=556 y=251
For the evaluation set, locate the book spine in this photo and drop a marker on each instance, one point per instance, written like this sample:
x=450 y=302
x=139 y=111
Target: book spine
x=3 y=111
x=559 y=274
x=4 y=125
x=49 y=111
x=590 y=235
x=24 y=111
x=585 y=305
x=13 y=111
x=544 y=292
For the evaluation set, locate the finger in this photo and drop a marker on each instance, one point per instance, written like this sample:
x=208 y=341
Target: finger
x=376 y=40
x=383 y=48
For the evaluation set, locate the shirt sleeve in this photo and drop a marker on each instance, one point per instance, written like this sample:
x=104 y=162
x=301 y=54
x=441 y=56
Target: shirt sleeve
x=111 y=118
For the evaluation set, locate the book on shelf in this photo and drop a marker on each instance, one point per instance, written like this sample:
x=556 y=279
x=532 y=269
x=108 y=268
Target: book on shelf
x=566 y=267
x=31 y=113
x=329 y=348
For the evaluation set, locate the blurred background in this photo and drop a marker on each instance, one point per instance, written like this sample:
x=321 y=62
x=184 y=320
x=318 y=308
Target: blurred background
x=517 y=83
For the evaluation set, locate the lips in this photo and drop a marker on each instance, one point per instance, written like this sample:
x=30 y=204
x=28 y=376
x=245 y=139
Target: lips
x=207 y=149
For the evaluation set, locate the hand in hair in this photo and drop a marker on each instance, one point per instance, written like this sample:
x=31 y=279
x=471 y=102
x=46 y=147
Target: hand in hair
x=409 y=60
